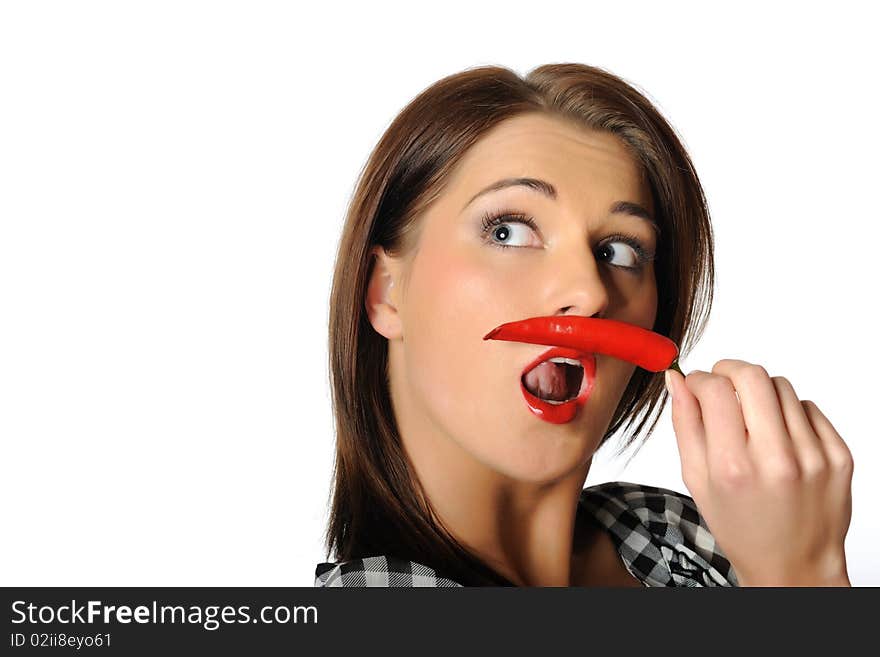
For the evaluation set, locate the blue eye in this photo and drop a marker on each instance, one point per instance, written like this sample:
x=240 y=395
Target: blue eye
x=502 y=226
x=641 y=257
x=498 y=228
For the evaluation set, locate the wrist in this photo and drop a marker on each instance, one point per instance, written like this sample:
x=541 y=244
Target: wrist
x=842 y=580
x=830 y=571
x=810 y=581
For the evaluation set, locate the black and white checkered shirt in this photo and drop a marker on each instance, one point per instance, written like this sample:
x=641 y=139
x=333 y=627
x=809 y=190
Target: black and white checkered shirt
x=661 y=538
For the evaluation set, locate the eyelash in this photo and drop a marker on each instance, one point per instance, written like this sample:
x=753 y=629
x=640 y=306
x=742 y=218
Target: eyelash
x=491 y=220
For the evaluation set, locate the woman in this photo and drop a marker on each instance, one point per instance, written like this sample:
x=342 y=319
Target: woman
x=491 y=199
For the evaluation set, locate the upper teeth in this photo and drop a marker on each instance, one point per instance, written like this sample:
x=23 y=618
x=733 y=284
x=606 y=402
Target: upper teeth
x=569 y=361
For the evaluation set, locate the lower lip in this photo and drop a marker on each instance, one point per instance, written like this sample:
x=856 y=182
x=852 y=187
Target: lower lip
x=565 y=412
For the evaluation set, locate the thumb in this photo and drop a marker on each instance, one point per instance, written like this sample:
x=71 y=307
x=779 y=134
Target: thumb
x=690 y=434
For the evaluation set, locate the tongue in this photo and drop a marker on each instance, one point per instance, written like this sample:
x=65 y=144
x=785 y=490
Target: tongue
x=547 y=381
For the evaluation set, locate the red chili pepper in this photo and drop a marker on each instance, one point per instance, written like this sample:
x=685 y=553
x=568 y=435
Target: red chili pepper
x=629 y=342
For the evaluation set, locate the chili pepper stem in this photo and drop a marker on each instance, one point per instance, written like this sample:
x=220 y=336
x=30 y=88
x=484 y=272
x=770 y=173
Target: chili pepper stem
x=674 y=366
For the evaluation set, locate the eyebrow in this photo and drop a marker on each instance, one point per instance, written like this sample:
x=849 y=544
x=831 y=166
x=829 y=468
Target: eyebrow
x=548 y=190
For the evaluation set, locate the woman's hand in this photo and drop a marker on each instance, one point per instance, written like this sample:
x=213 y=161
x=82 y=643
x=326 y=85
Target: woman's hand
x=768 y=473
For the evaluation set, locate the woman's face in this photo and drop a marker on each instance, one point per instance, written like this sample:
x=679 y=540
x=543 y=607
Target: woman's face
x=450 y=387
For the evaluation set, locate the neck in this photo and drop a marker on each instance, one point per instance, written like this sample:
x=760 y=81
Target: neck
x=525 y=531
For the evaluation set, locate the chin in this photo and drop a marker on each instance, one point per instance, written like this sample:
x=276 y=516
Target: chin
x=542 y=476
x=541 y=465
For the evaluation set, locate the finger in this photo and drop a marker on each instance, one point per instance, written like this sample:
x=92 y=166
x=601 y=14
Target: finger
x=839 y=455
x=768 y=438
x=807 y=445
x=726 y=453
x=687 y=422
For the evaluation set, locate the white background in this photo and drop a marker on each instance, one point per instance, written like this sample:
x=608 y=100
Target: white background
x=173 y=178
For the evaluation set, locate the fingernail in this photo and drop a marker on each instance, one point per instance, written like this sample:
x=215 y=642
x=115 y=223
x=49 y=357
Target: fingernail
x=669 y=382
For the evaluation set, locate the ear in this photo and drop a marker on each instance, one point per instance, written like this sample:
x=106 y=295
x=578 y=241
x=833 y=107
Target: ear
x=381 y=294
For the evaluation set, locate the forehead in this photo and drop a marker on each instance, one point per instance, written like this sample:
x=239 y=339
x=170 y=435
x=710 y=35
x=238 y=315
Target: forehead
x=585 y=165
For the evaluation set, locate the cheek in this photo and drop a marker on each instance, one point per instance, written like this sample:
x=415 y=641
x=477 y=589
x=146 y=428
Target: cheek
x=452 y=303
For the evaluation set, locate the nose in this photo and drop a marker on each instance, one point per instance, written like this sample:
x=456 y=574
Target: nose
x=575 y=285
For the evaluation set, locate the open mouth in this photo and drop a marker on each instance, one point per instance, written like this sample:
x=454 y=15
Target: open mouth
x=557 y=383
x=556 y=380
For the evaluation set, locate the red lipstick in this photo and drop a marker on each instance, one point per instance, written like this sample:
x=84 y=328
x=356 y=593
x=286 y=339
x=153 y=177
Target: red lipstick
x=564 y=412
x=579 y=338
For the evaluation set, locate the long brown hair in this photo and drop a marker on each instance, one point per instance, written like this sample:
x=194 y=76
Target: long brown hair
x=378 y=506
